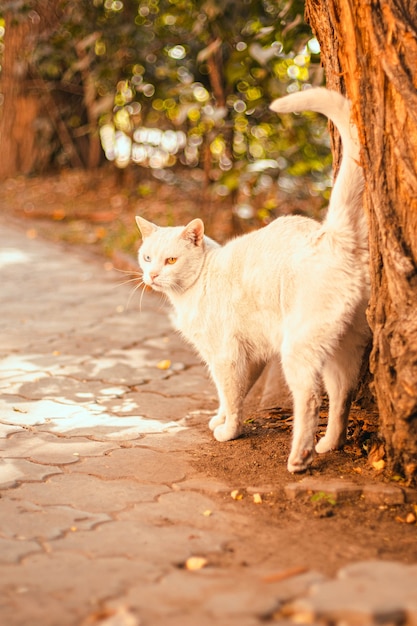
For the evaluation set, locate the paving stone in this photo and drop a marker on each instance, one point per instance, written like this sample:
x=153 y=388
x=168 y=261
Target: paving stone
x=89 y=418
x=371 y=592
x=162 y=546
x=175 y=440
x=253 y=599
x=340 y=489
x=13 y=550
x=196 y=617
x=70 y=390
x=49 y=449
x=262 y=489
x=22 y=364
x=205 y=484
x=13 y=471
x=6 y=430
x=120 y=616
x=32 y=413
x=28 y=521
x=92 y=421
x=89 y=493
x=183 y=592
x=65 y=588
x=188 y=508
x=207 y=594
x=196 y=382
x=383 y=494
x=292 y=586
x=141 y=464
x=150 y=324
x=124 y=367
x=410 y=495
x=150 y=405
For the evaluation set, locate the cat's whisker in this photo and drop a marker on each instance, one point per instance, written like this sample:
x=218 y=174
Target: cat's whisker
x=127 y=282
x=134 y=290
x=141 y=295
x=134 y=276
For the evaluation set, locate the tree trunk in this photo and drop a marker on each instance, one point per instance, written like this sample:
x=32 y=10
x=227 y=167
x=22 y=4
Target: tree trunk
x=369 y=50
x=20 y=100
x=19 y=108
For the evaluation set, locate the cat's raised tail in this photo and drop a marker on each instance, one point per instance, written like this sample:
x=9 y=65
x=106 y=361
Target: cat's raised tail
x=345 y=207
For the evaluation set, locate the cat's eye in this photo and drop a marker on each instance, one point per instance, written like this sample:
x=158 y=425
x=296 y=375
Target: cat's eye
x=171 y=260
x=147 y=258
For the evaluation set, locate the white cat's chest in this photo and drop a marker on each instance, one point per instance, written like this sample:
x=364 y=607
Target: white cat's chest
x=187 y=317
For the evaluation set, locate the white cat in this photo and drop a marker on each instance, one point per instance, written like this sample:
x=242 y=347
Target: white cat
x=296 y=288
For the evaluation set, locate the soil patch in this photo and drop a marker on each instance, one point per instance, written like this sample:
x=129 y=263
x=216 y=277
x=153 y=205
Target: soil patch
x=316 y=530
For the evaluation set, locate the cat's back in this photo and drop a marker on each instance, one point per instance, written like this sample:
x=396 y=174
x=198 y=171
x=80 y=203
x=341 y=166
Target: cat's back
x=270 y=246
x=255 y=267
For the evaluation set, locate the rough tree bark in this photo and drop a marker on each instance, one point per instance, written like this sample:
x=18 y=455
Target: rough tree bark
x=369 y=51
x=19 y=108
x=23 y=95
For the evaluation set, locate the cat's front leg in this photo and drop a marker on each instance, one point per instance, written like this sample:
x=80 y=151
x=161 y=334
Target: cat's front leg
x=227 y=424
x=231 y=429
x=217 y=419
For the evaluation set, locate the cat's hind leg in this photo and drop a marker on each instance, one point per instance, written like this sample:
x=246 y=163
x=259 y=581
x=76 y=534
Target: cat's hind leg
x=302 y=376
x=340 y=375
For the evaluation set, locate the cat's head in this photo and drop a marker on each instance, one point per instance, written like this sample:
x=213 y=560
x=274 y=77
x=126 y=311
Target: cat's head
x=171 y=257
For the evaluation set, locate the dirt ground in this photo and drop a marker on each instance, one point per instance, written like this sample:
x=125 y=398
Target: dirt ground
x=319 y=531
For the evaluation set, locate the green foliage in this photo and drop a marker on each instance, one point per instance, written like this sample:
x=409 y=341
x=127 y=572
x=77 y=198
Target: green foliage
x=321 y=497
x=190 y=82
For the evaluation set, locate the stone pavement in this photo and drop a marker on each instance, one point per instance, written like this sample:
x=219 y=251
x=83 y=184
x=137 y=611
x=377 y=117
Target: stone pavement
x=102 y=511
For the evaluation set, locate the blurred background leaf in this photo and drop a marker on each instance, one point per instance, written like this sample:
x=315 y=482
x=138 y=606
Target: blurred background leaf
x=173 y=84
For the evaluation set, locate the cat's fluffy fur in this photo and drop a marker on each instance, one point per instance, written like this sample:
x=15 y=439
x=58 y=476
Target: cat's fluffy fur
x=296 y=288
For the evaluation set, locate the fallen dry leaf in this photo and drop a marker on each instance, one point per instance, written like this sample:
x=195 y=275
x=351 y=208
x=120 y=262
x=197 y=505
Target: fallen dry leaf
x=112 y=617
x=376 y=455
x=195 y=563
x=164 y=365
x=236 y=495
x=410 y=519
x=284 y=574
x=378 y=465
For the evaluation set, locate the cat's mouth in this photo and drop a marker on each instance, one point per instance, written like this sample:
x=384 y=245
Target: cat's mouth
x=153 y=283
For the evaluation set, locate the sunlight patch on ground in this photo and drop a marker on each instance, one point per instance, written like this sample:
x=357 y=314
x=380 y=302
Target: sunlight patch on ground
x=11 y=256
x=64 y=417
x=37 y=393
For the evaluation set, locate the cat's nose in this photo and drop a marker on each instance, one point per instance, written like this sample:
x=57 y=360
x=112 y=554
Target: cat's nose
x=153 y=275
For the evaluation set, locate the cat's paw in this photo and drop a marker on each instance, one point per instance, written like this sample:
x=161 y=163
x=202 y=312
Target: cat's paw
x=300 y=462
x=226 y=433
x=217 y=420
x=325 y=444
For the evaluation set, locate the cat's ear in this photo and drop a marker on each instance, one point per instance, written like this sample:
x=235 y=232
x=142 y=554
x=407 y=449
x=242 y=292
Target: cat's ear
x=194 y=232
x=145 y=227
